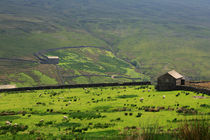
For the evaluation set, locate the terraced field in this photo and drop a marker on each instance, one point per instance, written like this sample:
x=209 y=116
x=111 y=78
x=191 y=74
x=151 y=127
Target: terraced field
x=111 y=112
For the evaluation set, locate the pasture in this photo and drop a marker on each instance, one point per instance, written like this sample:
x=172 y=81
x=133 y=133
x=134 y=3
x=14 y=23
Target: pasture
x=111 y=112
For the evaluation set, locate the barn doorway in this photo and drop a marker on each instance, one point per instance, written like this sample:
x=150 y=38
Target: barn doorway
x=182 y=82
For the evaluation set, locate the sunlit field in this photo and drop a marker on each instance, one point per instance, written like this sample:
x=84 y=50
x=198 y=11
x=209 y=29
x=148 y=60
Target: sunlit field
x=111 y=112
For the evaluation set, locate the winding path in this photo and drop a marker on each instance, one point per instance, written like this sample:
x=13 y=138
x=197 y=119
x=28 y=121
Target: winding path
x=76 y=76
x=19 y=60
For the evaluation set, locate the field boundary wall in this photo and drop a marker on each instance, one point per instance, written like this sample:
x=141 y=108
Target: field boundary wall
x=76 y=86
x=195 y=89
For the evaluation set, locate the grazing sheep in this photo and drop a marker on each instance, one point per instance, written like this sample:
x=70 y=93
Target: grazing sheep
x=112 y=76
x=141 y=99
x=15 y=124
x=8 y=123
x=42 y=120
x=164 y=96
x=65 y=117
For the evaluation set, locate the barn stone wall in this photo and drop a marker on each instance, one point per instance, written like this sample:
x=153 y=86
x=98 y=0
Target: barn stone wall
x=166 y=82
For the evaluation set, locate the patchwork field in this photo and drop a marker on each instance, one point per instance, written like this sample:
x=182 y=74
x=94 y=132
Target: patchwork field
x=76 y=66
x=93 y=65
x=111 y=112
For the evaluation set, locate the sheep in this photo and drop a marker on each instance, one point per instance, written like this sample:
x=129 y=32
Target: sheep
x=141 y=99
x=8 y=123
x=15 y=124
x=42 y=120
x=65 y=117
x=164 y=96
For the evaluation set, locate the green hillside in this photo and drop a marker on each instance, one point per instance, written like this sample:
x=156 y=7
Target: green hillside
x=153 y=36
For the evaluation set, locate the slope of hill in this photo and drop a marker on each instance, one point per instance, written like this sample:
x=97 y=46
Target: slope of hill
x=154 y=36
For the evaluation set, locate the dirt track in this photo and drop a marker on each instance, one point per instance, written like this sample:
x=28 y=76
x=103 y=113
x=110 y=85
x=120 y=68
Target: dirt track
x=20 y=60
x=200 y=84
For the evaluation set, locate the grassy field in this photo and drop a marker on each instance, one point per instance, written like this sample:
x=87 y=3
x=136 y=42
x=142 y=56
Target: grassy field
x=111 y=112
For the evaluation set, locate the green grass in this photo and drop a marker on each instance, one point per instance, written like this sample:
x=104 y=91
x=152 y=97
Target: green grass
x=44 y=79
x=96 y=111
x=23 y=80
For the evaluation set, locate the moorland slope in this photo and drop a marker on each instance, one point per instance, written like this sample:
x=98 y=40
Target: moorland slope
x=154 y=36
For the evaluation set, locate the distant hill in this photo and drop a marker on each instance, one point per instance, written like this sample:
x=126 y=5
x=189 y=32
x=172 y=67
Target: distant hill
x=154 y=36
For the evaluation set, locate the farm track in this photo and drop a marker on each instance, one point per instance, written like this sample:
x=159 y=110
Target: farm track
x=76 y=76
x=60 y=75
x=15 y=60
x=40 y=55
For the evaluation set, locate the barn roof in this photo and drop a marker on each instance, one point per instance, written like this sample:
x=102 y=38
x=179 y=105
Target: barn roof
x=175 y=74
x=7 y=86
x=52 y=57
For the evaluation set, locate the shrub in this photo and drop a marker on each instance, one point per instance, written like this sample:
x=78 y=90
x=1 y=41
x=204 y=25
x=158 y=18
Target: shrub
x=82 y=115
x=196 y=130
x=127 y=96
x=100 y=125
x=139 y=115
x=13 y=129
x=205 y=105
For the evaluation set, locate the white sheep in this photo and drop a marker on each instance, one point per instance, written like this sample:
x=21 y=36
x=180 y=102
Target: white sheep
x=141 y=99
x=164 y=96
x=65 y=117
x=42 y=120
x=8 y=123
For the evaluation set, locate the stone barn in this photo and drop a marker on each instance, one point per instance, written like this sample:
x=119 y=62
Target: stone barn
x=52 y=60
x=170 y=80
